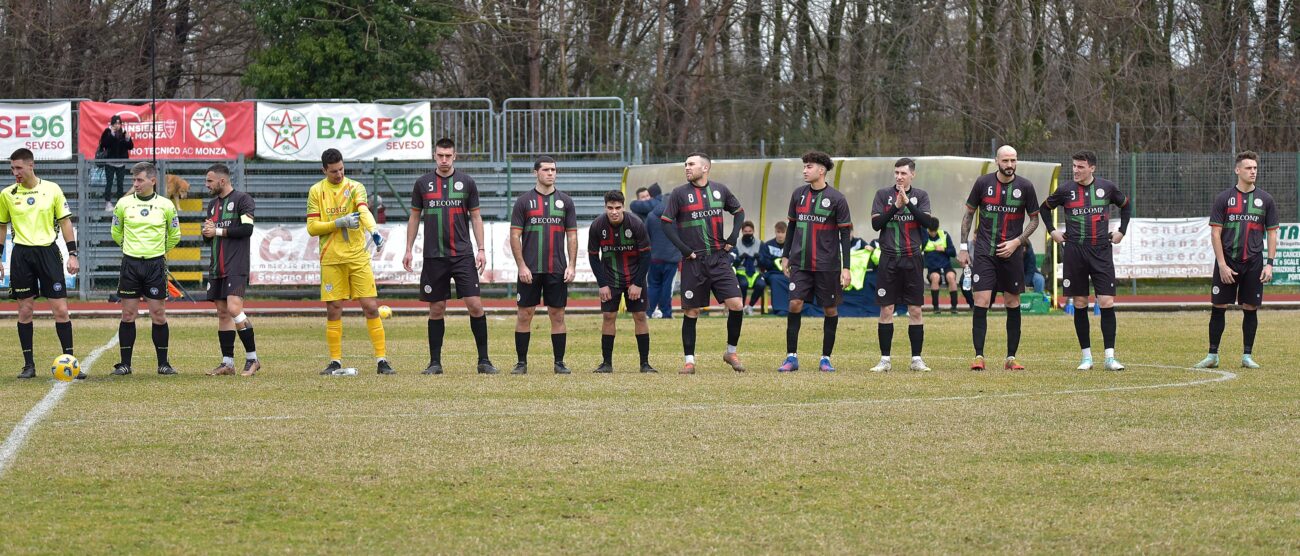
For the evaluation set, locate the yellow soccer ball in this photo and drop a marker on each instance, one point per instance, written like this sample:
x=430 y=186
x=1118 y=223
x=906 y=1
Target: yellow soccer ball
x=65 y=368
x=385 y=311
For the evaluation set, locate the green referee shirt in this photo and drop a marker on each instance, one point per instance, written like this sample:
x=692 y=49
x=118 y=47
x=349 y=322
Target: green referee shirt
x=34 y=213
x=146 y=227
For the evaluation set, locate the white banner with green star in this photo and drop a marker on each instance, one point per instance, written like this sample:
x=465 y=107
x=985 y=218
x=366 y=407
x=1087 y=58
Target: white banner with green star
x=359 y=131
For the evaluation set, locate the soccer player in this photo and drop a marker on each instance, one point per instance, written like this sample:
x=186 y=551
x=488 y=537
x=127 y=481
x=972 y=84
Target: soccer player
x=1002 y=202
x=939 y=251
x=1087 y=243
x=618 y=247
x=693 y=214
x=901 y=213
x=37 y=209
x=446 y=200
x=227 y=229
x=338 y=213
x=815 y=256
x=146 y=226
x=1238 y=219
x=544 y=240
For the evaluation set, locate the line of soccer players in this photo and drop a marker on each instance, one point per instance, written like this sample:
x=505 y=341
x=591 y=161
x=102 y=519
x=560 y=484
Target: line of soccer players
x=1002 y=207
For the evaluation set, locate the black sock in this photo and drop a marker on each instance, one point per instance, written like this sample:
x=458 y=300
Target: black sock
x=885 y=333
x=226 y=338
x=734 y=320
x=436 y=329
x=557 y=345
x=246 y=337
x=1217 y=323
x=916 y=333
x=160 y=337
x=607 y=348
x=979 y=326
x=934 y=299
x=952 y=298
x=64 y=330
x=688 y=335
x=521 y=345
x=792 y=323
x=25 y=332
x=1081 y=328
x=1108 y=327
x=643 y=347
x=1249 y=323
x=126 y=341
x=478 y=326
x=1013 y=331
x=829 y=326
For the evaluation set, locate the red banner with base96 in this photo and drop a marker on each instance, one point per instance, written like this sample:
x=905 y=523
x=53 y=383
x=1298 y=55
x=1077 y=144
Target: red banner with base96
x=183 y=129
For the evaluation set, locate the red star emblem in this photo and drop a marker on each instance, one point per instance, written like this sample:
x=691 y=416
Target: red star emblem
x=286 y=131
x=208 y=125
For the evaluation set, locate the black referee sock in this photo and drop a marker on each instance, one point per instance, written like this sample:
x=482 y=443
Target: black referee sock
x=437 y=328
x=246 y=337
x=793 y=322
x=979 y=326
x=1249 y=323
x=734 y=320
x=521 y=345
x=829 y=326
x=916 y=333
x=25 y=332
x=607 y=348
x=64 y=330
x=478 y=325
x=885 y=334
x=227 y=340
x=688 y=335
x=558 y=342
x=126 y=341
x=161 y=334
x=1108 y=327
x=1217 y=323
x=934 y=299
x=1013 y=331
x=643 y=347
x=1081 y=328
x=952 y=298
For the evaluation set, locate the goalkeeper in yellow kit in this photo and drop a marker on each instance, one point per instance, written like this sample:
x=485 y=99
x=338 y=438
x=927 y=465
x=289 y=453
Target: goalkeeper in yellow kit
x=337 y=213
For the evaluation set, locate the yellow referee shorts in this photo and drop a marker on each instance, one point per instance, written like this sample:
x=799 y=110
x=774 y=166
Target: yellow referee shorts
x=339 y=282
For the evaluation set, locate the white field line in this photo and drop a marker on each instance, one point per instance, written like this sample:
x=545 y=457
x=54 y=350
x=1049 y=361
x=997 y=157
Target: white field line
x=1222 y=376
x=9 y=450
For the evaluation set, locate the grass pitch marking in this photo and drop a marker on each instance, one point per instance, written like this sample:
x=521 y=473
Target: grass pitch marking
x=1222 y=376
x=9 y=450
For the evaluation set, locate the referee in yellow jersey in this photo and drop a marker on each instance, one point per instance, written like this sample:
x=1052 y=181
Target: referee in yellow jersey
x=338 y=214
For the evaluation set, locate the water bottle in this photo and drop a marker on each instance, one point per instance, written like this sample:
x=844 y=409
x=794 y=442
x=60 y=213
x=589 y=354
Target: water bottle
x=965 y=278
x=348 y=371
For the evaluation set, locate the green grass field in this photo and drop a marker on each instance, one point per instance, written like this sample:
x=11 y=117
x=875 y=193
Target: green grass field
x=1157 y=459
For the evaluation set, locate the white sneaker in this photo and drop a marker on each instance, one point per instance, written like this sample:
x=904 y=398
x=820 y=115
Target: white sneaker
x=108 y=206
x=919 y=366
x=1085 y=365
x=883 y=366
x=1112 y=364
x=657 y=314
x=749 y=310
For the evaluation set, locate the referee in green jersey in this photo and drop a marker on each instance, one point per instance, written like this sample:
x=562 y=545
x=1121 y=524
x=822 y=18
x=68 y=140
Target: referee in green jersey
x=145 y=225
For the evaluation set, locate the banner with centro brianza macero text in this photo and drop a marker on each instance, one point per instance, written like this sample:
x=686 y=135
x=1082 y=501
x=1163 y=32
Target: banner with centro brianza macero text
x=44 y=128
x=1180 y=248
x=360 y=131
x=182 y=129
x=288 y=255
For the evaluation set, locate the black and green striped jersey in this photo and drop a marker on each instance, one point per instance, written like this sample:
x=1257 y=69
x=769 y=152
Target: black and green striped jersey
x=1087 y=209
x=817 y=217
x=697 y=213
x=1241 y=218
x=902 y=236
x=619 y=247
x=230 y=254
x=445 y=204
x=1000 y=210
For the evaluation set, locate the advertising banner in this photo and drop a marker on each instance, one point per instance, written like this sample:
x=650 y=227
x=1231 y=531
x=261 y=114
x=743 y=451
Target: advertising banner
x=1165 y=248
x=288 y=255
x=1286 y=269
x=182 y=130
x=45 y=129
x=359 y=131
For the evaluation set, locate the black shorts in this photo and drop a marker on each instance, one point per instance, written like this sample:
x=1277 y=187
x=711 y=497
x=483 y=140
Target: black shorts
x=549 y=288
x=222 y=287
x=36 y=271
x=439 y=272
x=943 y=274
x=822 y=286
x=992 y=273
x=617 y=294
x=1088 y=263
x=711 y=274
x=142 y=278
x=900 y=280
x=1246 y=288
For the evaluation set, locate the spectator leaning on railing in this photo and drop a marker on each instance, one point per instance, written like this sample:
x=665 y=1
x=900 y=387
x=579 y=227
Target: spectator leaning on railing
x=114 y=144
